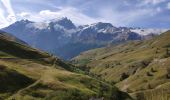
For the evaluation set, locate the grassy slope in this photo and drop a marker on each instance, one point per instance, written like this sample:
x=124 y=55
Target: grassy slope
x=29 y=74
x=134 y=66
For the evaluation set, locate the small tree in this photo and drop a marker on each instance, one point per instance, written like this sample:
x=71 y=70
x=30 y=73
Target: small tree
x=157 y=50
x=149 y=86
x=140 y=96
x=167 y=54
x=153 y=70
x=129 y=90
x=149 y=74
x=168 y=51
x=124 y=76
x=168 y=73
x=113 y=83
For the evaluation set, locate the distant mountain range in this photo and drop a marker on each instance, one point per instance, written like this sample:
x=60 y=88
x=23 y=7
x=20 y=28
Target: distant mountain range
x=63 y=38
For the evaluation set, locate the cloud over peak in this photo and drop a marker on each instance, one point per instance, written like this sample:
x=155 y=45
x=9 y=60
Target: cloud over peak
x=140 y=13
x=72 y=13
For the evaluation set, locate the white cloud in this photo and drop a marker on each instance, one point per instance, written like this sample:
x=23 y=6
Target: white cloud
x=24 y=15
x=108 y=12
x=10 y=18
x=149 y=3
x=106 y=15
x=125 y=17
x=158 y=9
x=3 y=21
x=168 y=5
x=72 y=13
x=11 y=15
x=154 y=2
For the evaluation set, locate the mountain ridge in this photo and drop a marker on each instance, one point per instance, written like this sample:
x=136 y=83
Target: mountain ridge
x=55 y=36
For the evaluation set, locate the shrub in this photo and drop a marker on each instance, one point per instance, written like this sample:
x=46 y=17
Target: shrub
x=124 y=76
x=167 y=54
x=168 y=73
x=73 y=94
x=140 y=96
x=113 y=83
x=107 y=65
x=145 y=80
x=157 y=50
x=149 y=74
x=149 y=86
x=129 y=90
x=167 y=46
x=146 y=62
x=153 y=70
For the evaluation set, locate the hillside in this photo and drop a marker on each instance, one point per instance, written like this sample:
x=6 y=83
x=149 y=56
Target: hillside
x=141 y=68
x=10 y=37
x=29 y=74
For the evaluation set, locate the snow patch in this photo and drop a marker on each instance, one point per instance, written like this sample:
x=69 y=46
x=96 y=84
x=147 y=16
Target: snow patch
x=149 y=31
x=38 y=25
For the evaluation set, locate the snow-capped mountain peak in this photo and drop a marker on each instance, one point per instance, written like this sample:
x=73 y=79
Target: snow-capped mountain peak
x=38 y=25
x=64 y=21
x=148 y=31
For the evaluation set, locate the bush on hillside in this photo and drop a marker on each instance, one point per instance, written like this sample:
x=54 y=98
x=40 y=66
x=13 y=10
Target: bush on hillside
x=167 y=53
x=168 y=73
x=73 y=94
x=149 y=74
x=153 y=70
x=140 y=96
x=124 y=76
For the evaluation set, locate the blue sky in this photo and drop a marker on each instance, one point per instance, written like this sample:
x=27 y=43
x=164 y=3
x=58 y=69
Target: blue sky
x=135 y=13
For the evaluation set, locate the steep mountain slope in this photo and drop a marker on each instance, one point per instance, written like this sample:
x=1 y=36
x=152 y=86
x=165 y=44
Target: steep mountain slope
x=10 y=37
x=141 y=68
x=62 y=38
x=29 y=74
